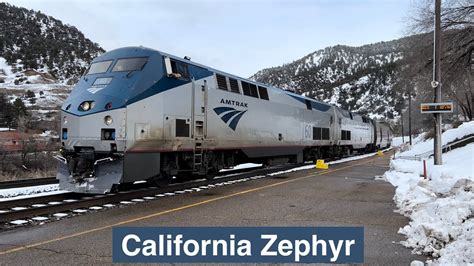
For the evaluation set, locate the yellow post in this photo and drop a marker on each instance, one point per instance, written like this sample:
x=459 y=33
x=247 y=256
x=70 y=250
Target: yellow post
x=379 y=152
x=321 y=165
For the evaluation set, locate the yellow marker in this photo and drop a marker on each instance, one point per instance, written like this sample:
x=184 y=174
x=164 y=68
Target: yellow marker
x=379 y=153
x=321 y=165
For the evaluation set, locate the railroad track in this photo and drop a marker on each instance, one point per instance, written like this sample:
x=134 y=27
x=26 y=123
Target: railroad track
x=6 y=206
x=53 y=180
x=28 y=182
x=49 y=205
x=31 y=208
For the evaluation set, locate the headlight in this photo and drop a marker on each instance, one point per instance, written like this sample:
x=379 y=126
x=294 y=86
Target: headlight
x=65 y=119
x=108 y=120
x=86 y=106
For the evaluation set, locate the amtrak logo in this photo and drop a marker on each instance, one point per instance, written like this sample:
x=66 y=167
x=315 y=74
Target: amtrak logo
x=229 y=114
x=93 y=90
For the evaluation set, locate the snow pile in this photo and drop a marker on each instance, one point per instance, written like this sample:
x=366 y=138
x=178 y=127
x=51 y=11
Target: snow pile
x=28 y=192
x=397 y=141
x=448 y=136
x=441 y=208
x=403 y=146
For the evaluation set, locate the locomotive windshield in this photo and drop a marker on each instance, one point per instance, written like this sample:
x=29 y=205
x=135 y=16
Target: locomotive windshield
x=129 y=64
x=99 y=67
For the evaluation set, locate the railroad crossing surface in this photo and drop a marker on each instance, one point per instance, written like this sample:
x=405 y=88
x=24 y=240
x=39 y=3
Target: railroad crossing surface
x=346 y=194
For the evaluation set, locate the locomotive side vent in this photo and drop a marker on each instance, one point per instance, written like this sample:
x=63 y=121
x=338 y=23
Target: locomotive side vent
x=182 y=128
x=345 y=135
x=221 y=82
x=321 y=133
x=234 y=85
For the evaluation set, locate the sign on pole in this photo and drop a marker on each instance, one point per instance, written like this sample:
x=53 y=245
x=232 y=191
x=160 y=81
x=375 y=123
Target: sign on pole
x=430 y=108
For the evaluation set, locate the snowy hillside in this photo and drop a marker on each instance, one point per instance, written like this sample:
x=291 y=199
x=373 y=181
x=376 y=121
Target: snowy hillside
x=40 y=59
x=441 y=208
x=39 y=48
x=360 y=79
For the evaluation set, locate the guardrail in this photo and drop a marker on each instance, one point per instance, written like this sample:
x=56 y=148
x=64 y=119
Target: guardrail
x=447 y=147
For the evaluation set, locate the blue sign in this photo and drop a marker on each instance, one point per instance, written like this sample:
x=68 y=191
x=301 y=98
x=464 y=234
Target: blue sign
x=238 y=244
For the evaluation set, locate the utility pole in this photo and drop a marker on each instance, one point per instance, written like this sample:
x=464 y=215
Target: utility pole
x=409 y=115
x=436 y=83
x=401 y=119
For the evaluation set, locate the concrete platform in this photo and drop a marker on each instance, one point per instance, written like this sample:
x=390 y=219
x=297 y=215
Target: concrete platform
x=346 y=194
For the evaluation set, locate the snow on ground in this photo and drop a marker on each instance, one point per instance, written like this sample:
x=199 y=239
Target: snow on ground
x=312 y=166
x=44 y=190
x=47 y=95
x=5 y=71
x=441 y=208
x=241 y=166
x=48 y=134
x=48 y=98
x=397 y=141
x=448 y=136
x=29 y=192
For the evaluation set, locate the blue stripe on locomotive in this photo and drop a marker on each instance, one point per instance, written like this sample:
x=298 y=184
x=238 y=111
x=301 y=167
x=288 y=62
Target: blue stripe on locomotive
x=314 y=104
x=125 y=90
x=139 y=85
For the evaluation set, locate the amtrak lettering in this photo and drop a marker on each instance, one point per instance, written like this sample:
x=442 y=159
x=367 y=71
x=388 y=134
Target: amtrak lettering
x=234 y=103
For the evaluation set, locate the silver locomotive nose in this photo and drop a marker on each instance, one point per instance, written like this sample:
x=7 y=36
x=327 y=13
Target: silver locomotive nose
x=92 y=151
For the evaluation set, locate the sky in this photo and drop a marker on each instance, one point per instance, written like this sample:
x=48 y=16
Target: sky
x=235 y=36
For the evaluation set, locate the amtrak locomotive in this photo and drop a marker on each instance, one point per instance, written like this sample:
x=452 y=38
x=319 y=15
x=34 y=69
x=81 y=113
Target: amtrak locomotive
x=141 y=114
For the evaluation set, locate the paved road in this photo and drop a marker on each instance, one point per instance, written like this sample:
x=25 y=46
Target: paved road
x=346 y=194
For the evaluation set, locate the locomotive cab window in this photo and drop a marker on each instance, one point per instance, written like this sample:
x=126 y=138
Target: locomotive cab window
x=99 y=67
x=308 y=104
x=129 y=64
x=176 y=69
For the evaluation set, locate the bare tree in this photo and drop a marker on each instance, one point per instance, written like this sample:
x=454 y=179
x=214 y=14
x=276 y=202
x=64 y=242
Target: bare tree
x=455 y=14
x=457 y=20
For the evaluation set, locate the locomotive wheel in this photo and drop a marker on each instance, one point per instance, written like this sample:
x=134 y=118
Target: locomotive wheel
x=124 y=186
x=211 y=173
x=162 y=180
x=210 y=176
x=115 y=188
